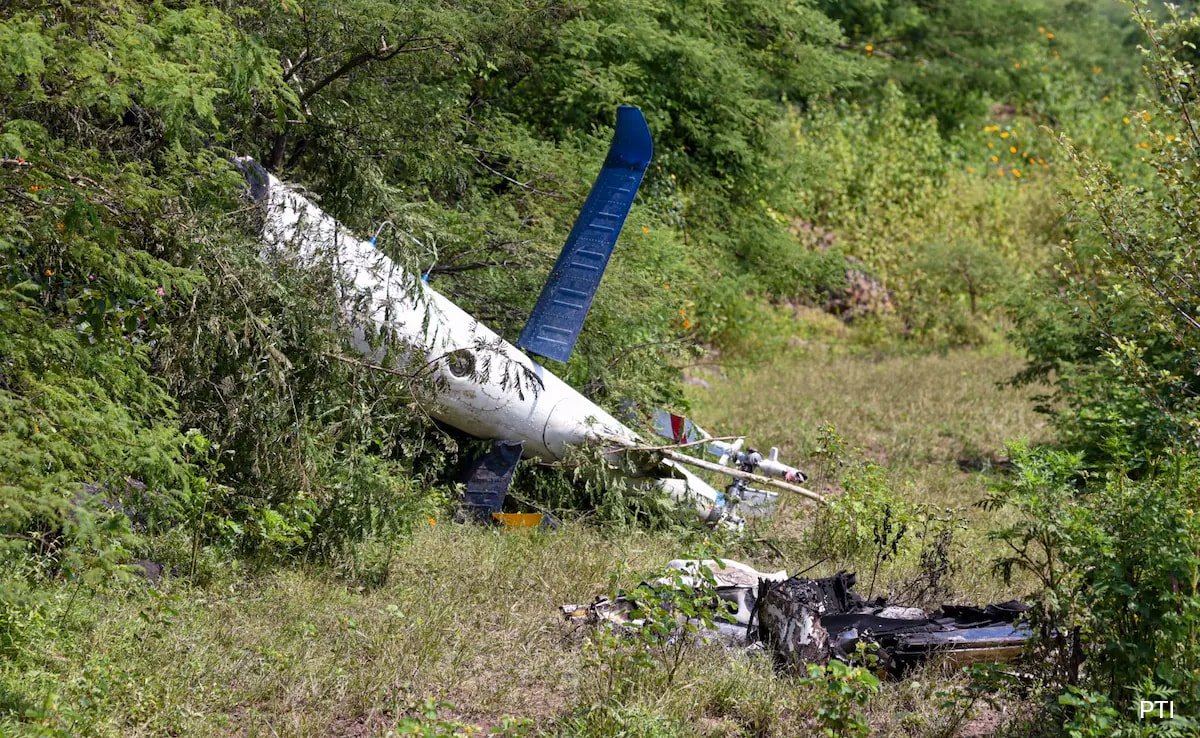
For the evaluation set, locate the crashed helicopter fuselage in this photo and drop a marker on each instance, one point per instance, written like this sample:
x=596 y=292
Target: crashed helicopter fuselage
x=478 y=382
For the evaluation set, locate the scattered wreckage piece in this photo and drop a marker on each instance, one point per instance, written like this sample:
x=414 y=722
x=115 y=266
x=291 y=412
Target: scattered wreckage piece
x=735 y=583
x=810 y=621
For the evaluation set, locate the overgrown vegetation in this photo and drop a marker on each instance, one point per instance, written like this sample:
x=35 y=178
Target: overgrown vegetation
x=856 y=208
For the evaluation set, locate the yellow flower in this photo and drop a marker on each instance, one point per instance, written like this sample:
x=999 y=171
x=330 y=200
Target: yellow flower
x=1097 y=70
x=999 y=172
x=1012 y=149
x=432 y=522
x=870 y=48
x=995 y=159
x=1147 y=117
x=1126 y=119
x=1016 y=65
x=666 y=286
x=686 y=324
x=1041 y=29
x=970 y=170
x=1004 y=134
x=1104 y=99
x=991 y=145
x=1016 y=172
x=1170 y=136
x=645 y=229
x=1049 y=35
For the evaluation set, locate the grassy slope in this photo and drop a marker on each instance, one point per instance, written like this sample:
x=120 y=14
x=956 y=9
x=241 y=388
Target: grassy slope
x=471 y=616
x=927 y=419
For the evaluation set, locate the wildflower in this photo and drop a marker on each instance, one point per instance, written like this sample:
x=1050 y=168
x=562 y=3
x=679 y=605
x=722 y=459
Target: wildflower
x=870 y=49
x=645 y=229
x=666 y=286
x=1170 y=136
x=1004 y=134
x=1012 y=149
x=34 y=188
x=1016 y=172
x=59 y=226
x=1105 y=98
x=991 y=145
x=432 y=522
x=682 y=312
x=161 y=292
x=970 y=170
x=1097 y=70
x=999 y=172
x=995 y=159
x=686 y=324
x=49 y=272
x=1147 y=117
x=1126 y=119
x=1041 y=29
x=1016 y=65
x=1049 y=35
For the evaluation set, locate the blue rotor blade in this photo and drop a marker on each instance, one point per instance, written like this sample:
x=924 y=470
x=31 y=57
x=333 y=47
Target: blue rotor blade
x=556 y=320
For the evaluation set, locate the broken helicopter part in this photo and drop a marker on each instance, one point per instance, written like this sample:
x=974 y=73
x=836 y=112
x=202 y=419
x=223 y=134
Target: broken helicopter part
x=481 y=384
x=810 y=621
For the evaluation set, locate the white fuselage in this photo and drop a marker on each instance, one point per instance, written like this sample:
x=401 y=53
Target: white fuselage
x=479 y=383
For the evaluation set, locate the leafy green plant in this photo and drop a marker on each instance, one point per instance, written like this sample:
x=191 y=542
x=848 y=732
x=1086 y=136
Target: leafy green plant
x=841 y=690
x=670 y=611
x=866 y=512
x=1117 y=573
x=426 y=721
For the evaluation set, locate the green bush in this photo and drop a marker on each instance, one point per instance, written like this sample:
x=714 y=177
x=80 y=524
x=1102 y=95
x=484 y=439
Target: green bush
x=1117 y=572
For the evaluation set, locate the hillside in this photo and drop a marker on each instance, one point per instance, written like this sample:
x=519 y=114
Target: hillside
x=941 y=252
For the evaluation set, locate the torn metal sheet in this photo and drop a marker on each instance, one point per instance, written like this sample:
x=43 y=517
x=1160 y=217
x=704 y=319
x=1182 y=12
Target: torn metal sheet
x=806 y=621
x=812 y=620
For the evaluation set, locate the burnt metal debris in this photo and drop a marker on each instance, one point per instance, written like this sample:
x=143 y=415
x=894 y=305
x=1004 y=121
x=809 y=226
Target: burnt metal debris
x=805 y=621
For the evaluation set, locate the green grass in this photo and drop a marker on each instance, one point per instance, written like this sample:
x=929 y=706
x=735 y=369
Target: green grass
x=471 y=617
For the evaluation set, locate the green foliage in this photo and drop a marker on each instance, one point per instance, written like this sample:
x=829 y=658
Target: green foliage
x=955 y=59
x=624 y=663
x=866 y=512
x=100 y=102
x=1117 y=572
x=429 y=723
x=1122 y=324
x=841 y=691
